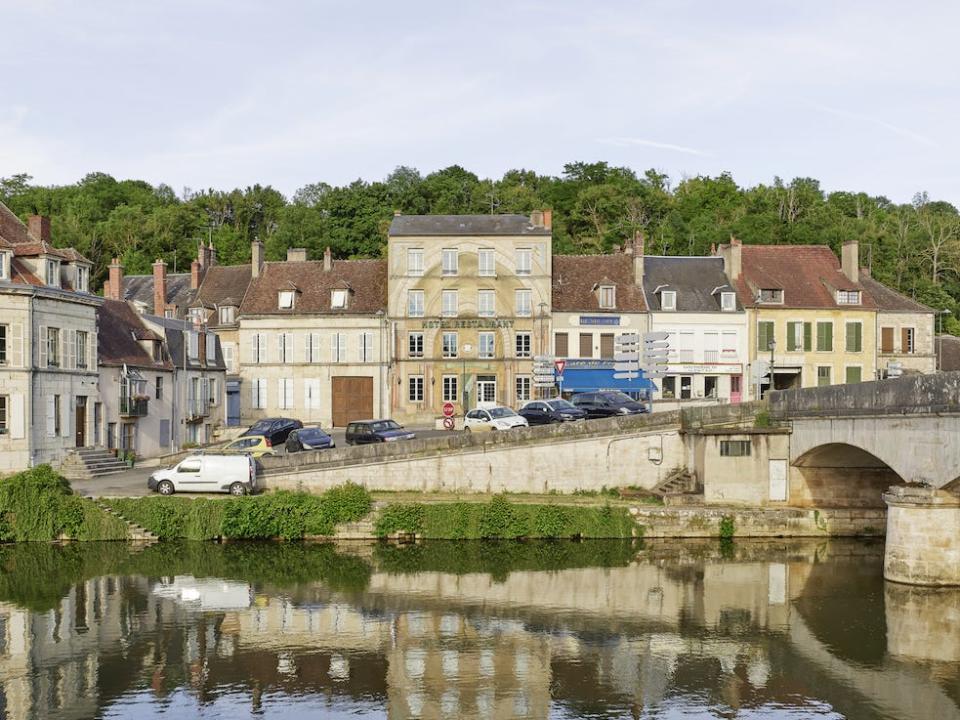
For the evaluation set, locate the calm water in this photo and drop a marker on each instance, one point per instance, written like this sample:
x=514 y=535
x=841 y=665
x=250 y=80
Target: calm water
x=477 y=630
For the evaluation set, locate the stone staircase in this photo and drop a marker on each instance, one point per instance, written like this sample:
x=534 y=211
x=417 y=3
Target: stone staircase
x=137 y=533
x=680 y=487
x=86 y=463
x=363 y=529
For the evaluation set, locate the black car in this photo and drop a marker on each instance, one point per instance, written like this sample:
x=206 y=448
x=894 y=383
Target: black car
x=544 y=412
x=308 y=438
x=607 y=403
x=364 y=432
x=276 y=430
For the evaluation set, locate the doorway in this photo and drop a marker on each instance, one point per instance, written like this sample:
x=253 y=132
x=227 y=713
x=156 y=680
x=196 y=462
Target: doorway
x=486 y=389
x=81 y=421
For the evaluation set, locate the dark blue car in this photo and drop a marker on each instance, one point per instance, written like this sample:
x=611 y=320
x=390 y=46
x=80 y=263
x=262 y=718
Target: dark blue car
x=364 y=432
x=308 y=438
x=545 y=412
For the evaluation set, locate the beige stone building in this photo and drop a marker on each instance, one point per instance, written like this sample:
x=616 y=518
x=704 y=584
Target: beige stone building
x=905 y=330
x=469 y=308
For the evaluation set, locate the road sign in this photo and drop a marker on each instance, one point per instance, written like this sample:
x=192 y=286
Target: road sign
x=449 y=423
x=760 y=370
x=544 y=359
x=656 y=336
x=560 y=365
x=626 y=375
x=448 y=409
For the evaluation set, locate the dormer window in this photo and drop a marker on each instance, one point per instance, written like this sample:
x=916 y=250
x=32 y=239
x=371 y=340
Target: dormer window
x=157 y=351
x=608 y=297
x=53 y=273
x=83 y=278
x=728 y=301
x=196 y=315
x=228 y=314
x=285 y=300
x=338 y=299
x=772 y=296
x=848 y=297
x=4 y=266
x=668 y=300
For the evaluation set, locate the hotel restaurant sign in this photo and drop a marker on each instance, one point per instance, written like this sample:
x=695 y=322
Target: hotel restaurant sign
x=482 y=323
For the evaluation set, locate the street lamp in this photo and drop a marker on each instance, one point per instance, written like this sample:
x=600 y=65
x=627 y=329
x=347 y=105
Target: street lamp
x=772 y=346
x=939 y=342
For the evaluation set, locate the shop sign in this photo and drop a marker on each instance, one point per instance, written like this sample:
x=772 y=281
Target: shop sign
x=599 y=319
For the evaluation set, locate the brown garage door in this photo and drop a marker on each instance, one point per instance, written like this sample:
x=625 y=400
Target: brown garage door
x=352 y=399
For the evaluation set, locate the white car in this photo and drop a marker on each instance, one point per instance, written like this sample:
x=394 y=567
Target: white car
x=234 y=474
x=492 y=419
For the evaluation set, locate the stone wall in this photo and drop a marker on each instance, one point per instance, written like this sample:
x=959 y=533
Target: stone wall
x=923 y=537
x=693 y=521
x=847 y=487
x=742 y=480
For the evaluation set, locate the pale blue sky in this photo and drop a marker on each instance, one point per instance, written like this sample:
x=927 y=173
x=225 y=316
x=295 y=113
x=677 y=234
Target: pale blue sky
x=225 y=93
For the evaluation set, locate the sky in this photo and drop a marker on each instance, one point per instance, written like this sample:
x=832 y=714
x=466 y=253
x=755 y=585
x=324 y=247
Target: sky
x=227 y=93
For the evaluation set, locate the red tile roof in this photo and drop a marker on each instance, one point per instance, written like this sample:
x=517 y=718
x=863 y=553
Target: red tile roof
x=888 y=299
x=119 y=328
x=575 y=278
x=366 y=280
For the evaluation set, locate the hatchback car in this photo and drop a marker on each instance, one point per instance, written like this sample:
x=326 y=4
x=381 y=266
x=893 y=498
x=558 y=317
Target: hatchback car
x=365 y=432
x=545 y=412
x=493 y=419
x=275 y=430
x=607 y=403
x=308 y=438
x=254 y=445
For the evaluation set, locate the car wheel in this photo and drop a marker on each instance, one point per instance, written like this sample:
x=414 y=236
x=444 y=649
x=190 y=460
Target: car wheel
x=238 y=489
x=165 y=487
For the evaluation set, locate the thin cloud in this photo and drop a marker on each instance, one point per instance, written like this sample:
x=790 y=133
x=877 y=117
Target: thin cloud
x=895 y=129
x=629 y=141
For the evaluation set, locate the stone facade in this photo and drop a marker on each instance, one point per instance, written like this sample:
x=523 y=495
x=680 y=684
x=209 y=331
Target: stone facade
x=906 y=338
x=923 y=536
x=742 y=467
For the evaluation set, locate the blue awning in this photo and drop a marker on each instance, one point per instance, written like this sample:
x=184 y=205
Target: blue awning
x=594 y=379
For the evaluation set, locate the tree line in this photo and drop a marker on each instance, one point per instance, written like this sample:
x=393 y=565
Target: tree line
x=914 y=247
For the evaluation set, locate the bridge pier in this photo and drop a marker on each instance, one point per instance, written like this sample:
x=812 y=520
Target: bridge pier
x=923 y=536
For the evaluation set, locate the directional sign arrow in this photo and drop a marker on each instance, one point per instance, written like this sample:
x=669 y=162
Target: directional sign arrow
x=626 y=367
x=544 y=359
x=626 y=357
x=656 y=344
x=628 y=338
x=625 y=376
x=654 y=336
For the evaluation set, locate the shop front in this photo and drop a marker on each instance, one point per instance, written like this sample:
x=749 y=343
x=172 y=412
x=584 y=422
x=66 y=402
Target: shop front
x=595 y=375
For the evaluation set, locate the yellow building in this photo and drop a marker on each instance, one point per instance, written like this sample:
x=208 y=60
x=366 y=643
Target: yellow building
x=808 y=312
x=469 y=308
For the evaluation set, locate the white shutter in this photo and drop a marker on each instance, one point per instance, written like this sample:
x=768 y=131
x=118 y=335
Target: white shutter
x=42 y=346
x=254 y=394
x=17 y=421
x=311 y=393
x=228 y=356
x=254 y=344
x=315 y=341
x=51 y=417
x=281 y=395
x=264 y=347
x=92 y=349
x=288 y=393
x=211 y=348
x=65 y=430
x=281 y=339
x=69 y=349
x=289 y=358
x=15 y=346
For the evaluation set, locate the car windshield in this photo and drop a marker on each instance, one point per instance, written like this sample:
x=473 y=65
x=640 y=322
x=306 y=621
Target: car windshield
x=311 y=434
x=561 y=405
x=382 y=425
x=501 y=412
x=260 y=427
x=617 y=397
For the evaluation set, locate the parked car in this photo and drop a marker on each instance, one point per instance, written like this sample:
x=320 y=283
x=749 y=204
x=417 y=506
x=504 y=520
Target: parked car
x=545 y=412
x=364 y=432
x=607 y=403
x=234 y=474
x=255 y=445
x=492 y=419
x=308 y=438
x=276 y=430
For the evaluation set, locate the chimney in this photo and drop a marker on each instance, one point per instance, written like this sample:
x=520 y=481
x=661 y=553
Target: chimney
x=116 y=281
x=159 y=287
x=256 y=257
x=39 y=227
x=296 y=254
x=327 y=260
x=850 y=260
x=207 y=255
x=195 y=274
x=548 y=219
x=536 y=218
x=638 y=249
x=732 y=259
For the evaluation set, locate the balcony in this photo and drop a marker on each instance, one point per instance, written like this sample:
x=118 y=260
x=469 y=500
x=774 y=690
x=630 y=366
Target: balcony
x=197 y=409
x=133 y=407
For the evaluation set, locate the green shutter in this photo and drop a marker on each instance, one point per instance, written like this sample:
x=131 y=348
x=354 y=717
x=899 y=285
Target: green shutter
x=853 y=375
x=792 y=337
x=854 y=337
x=807 y=336
x=764 y=335
x=824 y=336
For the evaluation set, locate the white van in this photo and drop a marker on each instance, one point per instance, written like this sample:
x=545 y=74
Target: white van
x=234 y=474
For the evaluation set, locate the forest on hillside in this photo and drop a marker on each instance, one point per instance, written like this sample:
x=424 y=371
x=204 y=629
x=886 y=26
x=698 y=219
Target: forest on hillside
x=913 y=247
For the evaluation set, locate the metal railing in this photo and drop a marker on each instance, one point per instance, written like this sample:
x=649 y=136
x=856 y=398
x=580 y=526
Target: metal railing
x=133 y=407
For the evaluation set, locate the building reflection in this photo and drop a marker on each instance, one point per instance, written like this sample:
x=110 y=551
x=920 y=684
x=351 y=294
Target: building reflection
x=747 y=631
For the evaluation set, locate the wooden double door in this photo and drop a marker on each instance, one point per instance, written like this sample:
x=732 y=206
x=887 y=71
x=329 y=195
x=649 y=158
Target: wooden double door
x=352 y=399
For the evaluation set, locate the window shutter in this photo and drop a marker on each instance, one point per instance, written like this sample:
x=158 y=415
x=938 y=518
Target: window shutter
x=211 y=348
x=561 y=345
x=69 y=349
x=17 y=420
x=65 y=424
x=15 y=346
x=92 y=349
x=51 y=417
x=829 y=336
x=807 y=336
x=854 y=337
x=42 y=346
x=255 y=394
x=904 y=340
x=792 y=333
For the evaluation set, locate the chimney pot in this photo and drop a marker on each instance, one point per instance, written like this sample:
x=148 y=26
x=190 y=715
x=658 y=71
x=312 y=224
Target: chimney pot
x=159 y=287
x=39 y=227
x=195 y=273
x=115 y=288
x=327 y=259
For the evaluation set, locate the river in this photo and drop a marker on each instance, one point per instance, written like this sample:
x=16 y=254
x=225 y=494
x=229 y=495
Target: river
x=786 y=629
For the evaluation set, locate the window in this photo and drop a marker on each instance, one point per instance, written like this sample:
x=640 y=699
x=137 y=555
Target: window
x=486 y=263
x=338 y=347
x=765 y=335
x=285 y=393
x=524 y=300
x=728 y=344
x=285 y=347
x=213 y=390
x=285 y=300
x=728 y=301
x=53 y=273
x=486 y=345
x=561 y=344
x=450 y=344
x=311 y=393
x=608 y=297
x=669 y=387
x=57 y=428
x=229 y=358
x=486 y=303
x=522 y=344
x=311 y=348
x=825 y=336
x=415 y=345
x=227 y=314
x=586 y=345
x=854 y=374
x=886 y=340
x=159 y=388
x=854 y=337
x=668 y=300
x=169 y=313
x=450 y=388
x=710 y=386
x=523 y=388
x=415 y=303
x=451 y=261
x=415 y=388
x=4 y=266
x=4 y=426
x=338 y=299
x=415 y=262
x=53 y=347
x=83 y=278
x=907 y=344
x=771 y=295
x=81 y=340
x=823 y=375
x=848 y=297
x=258 y=391
x=799 y=337
x=449 y=303
x=524 y=261
x=259 y=347
x=366 y=347
x=193 y=345
x=734 y=448
x=607 y=343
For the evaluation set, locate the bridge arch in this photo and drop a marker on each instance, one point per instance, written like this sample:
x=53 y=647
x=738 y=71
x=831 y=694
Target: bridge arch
x=837 y=474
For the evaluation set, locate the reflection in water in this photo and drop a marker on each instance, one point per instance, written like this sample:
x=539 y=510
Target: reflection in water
x=472 y=630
